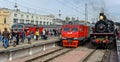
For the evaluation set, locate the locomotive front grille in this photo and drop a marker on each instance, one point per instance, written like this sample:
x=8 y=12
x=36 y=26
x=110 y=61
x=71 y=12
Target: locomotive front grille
x=70 y=40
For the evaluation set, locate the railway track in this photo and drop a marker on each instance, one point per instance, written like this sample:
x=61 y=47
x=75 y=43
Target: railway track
x=76 y=55
x=97 y=55
x=88 y=55
x=51 y=55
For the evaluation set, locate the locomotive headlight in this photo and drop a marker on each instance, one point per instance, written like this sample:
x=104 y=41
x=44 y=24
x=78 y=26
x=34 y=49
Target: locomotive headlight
x=101 y=18
x=64 y=38
x=75 y=38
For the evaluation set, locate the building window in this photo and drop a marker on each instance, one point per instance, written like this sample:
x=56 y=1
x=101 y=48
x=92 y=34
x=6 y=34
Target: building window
x=47 y=23
x=47 y=19
x=32 y=21
x=36 y=17
x=21 y=15
x=4 y=20
x=15 y=15
x=40 y=18
x=15 y=20
x=27 y=16
x=32 y=16
x=44 y=23
x=37 y=22
x=50 y=23
x=40 y=22
x=27 y=21
x=21 y=20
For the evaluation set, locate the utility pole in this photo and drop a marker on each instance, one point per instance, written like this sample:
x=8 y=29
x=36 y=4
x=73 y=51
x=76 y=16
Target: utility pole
x=86 y=13
x=59 y=14
x=16 y=7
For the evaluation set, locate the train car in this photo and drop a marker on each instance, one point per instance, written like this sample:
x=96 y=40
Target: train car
x=32 y=28
x=74 y=34
x=27 y=28
x=103 y=33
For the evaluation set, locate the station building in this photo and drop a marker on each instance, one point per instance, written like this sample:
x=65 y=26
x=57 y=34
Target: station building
x=17 y=16
x=4 y=19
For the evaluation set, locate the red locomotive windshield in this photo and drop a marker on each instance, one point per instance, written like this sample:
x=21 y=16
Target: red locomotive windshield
x=70 y=32
x=74 y=29
x=66 y=29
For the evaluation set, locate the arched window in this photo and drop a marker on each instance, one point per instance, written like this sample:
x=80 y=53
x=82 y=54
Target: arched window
x=4 y=20
x=15 y=15
x=40 y=22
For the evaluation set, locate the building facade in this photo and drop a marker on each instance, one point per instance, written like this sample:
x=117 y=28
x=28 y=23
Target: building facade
x=4 y=19
x=17 y=16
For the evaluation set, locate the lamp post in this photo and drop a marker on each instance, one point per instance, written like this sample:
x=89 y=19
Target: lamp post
x=59 y=14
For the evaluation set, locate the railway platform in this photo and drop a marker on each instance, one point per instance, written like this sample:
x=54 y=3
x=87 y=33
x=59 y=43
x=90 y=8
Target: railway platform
x=25 y=49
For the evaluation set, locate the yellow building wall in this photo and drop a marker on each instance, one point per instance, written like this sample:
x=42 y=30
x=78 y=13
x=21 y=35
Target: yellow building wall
x=4 y=14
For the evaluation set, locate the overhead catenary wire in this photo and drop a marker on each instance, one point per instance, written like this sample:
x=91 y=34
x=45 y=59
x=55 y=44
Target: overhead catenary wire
x=49 y=10
x=72 y=8
x=29 y=8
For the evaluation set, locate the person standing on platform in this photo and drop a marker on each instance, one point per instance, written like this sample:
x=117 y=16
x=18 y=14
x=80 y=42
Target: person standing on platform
x=6 y=37
x=17 y=37
x=54 y=32
x=22 y=36
x=37 y=34
x=29 y=37
x=14 y=35
x=44 y=34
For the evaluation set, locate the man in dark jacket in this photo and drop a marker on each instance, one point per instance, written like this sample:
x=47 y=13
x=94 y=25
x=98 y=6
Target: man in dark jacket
x=17 y=37
x=6 y=37
x=22 y=35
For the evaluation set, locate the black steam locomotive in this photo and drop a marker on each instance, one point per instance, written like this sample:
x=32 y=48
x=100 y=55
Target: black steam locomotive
x=103 y=32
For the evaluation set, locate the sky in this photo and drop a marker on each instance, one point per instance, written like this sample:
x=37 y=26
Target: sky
x=67 y=8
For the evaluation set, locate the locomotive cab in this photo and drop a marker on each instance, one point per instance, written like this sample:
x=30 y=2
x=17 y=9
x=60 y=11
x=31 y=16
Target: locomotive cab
x=69 y=35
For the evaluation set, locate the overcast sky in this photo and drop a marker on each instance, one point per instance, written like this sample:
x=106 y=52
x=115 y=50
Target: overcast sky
x=70 y=8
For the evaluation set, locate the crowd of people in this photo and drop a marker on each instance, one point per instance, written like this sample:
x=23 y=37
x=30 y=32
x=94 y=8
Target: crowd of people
x=15 y=37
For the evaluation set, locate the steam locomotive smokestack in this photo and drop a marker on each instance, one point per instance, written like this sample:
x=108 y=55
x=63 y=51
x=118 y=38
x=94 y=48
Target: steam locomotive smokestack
x=101 y=15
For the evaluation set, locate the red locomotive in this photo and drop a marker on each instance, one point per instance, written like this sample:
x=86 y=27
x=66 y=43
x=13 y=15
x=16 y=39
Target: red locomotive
x=74 y=34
